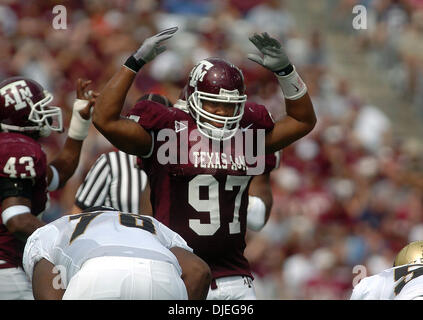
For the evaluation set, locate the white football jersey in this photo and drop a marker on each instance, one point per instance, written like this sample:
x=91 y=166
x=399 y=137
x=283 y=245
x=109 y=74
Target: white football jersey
x=71 y=240
x=397 y=283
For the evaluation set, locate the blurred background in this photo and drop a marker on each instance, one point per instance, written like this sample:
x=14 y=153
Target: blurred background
x=348 y=196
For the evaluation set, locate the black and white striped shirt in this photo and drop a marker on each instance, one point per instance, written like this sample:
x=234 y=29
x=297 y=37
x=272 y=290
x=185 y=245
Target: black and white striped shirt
x=113 y=181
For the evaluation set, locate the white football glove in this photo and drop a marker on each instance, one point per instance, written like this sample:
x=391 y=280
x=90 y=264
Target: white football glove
x=274 y=56
x=275 y=59
x=151 y=46
x=149 y=49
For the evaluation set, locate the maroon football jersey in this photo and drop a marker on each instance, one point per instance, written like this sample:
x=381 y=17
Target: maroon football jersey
x=21 y=157
x=199 y=188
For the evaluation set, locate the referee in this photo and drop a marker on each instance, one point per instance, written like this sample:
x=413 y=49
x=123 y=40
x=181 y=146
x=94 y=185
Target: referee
x=116 y=181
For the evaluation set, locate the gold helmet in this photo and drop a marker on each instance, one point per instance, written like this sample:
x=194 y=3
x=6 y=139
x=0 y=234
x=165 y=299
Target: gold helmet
x=411 y=253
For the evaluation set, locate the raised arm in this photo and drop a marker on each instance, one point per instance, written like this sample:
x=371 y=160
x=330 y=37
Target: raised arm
x=300 y=117
x=123 y=133
x=66 y=162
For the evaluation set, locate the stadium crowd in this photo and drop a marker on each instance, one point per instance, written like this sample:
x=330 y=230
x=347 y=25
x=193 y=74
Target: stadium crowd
x=392 y=42
x=340 y=196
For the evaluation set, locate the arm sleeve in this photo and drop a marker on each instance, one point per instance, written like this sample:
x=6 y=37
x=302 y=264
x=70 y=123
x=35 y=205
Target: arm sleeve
x=22 y=158
x=93 y=190
x=267 y=122
x=258 y=117
x=39 y=245
x=413 y=290
x=152 y=116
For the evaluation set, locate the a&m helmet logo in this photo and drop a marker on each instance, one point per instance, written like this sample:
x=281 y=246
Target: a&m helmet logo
x=16 y=93
x=198 y=73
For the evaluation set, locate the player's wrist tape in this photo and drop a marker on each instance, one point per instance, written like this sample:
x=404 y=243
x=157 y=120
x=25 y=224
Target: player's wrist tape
x=256 y=213
x=292 y=85
x=133 y=64
x=13 y=211
x=54 y=183
x=79 y=127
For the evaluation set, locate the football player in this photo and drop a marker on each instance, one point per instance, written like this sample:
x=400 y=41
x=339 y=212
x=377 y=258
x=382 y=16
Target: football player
x=403 y=281
x=25 y=177
x=203 y=194
x=102 y=253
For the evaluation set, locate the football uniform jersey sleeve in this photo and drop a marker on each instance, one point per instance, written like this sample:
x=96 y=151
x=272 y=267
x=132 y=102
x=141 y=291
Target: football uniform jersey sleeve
x=39 y=245
x=152 y=116
x=265 y=121
x=257 y=116
x=413 y=290
x=22 y=158
x=368 y=288
x=359 y=291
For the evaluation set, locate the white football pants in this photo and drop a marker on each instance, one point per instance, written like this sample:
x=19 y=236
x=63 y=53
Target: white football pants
x=126 y=278
x=15 y=285
x=233 y=288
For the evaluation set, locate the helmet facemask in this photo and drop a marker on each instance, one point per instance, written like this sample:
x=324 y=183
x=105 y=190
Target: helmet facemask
x=48 y=118
x=230 y=123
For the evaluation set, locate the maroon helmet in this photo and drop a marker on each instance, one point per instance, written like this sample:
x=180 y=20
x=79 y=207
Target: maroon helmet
x=217 y=80
x=24 y=108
